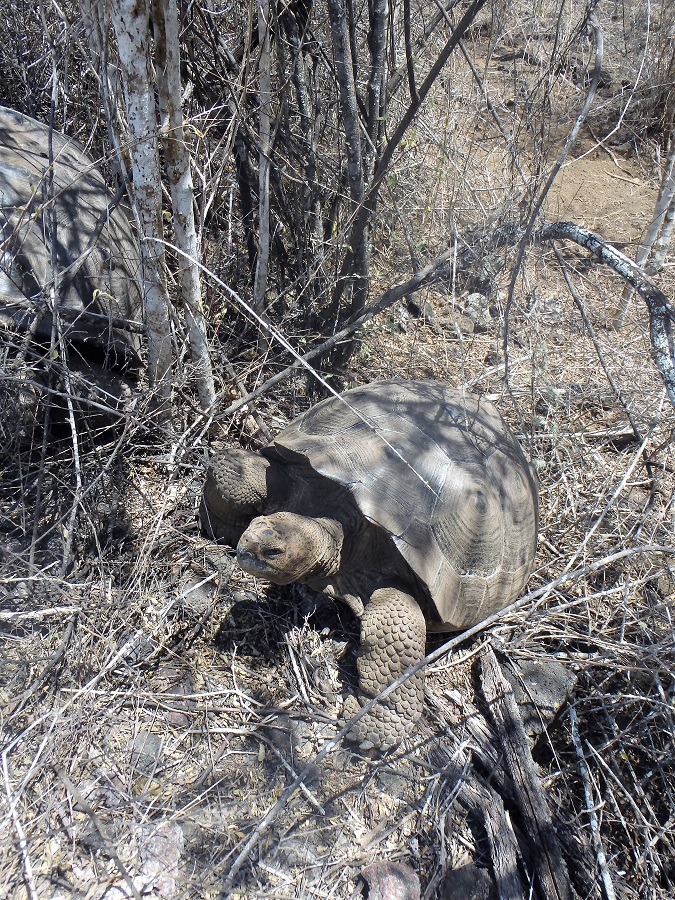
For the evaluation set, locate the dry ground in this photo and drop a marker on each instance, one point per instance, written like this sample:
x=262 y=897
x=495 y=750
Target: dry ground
x=156 y=702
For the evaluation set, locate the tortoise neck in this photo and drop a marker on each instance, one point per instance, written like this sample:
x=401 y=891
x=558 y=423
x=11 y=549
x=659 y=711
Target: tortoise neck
x=330 y=538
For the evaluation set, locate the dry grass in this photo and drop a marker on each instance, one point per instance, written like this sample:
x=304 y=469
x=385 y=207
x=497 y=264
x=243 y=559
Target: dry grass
x=156 y=702
x=154 y=694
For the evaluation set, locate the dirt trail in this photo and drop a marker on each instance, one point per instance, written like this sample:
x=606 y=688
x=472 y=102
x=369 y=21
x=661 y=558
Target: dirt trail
x=613 y=200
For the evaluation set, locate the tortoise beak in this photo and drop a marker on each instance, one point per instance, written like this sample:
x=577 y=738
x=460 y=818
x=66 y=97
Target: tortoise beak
x=261 y=565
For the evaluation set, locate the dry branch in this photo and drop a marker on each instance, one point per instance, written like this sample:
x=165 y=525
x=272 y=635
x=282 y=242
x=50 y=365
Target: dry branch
x=357 y=171
x=367 y=205
x=571 y=137
x=547 y=858
x=177 y=155
x=430 y=273
x=664 y=205
x=265 y=139
x=634 y=430
x=12 y=801
x=502 y=840
x=590 y=806
x=660 y=308
x=131 y=21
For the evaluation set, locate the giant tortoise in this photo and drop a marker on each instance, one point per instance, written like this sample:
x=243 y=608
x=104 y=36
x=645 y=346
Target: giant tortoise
x=64 y=213
x=409 y=500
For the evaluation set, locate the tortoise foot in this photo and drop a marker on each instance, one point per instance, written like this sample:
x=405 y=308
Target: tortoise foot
x=380 y=729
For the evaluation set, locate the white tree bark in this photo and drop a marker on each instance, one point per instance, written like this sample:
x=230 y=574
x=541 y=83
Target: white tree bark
x=264 y=101
x=662 y=245
x=177 y=156
x=131 y=19
x=96 y=21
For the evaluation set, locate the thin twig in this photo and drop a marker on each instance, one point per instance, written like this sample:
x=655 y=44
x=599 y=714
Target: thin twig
x=51 y=663
x=590 y=806
x=37 y=614
x=661 y=309
x=98 y=825
x=291 y=771
x=591 y=332
x=486 y=96
x=430 y=273
x=20 y=833
x=617 y=391
x=365 y=209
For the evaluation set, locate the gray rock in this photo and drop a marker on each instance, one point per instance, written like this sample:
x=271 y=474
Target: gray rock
x=146 y=752
x=540 y=687
x=467 y=883
x=391 y=881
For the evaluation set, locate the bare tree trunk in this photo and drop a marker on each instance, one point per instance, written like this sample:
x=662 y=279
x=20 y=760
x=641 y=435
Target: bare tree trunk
x=264 y=99
x=131 y=19
x=377 y=42
x=177 y=155
x=350 y=116
x=409 y=56
x=96 y=19
x=366 y=206
x=309 y=128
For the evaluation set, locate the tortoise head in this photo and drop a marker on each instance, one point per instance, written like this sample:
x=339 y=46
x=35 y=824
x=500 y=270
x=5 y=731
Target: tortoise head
x=284 y=547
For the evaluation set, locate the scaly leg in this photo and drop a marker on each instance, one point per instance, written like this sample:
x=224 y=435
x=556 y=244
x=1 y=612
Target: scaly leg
x=235 y=491
x=393 y=637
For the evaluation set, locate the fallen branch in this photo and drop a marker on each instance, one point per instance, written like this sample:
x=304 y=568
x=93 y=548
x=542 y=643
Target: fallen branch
x=502 y=841
x=661 y=309
x=547 y=858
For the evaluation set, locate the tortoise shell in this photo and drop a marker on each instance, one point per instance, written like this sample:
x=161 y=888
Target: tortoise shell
x=91 y=232
x=439 y=470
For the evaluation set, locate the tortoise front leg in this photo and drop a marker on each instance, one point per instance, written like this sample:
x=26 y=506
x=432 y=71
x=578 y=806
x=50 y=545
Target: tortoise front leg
x=234 y=493
x=393 y=637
